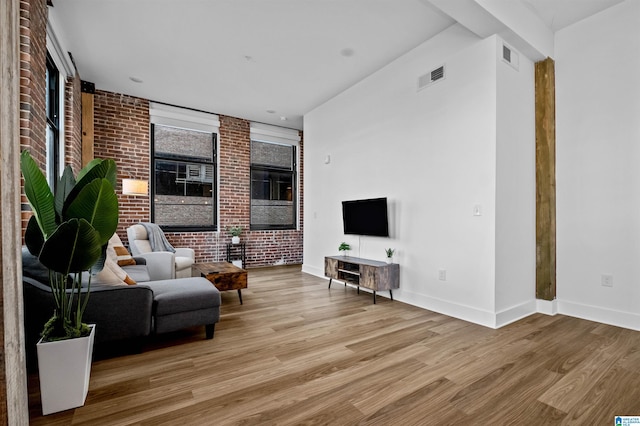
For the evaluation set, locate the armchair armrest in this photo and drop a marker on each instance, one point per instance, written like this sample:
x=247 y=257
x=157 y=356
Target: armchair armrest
x=185 y=252
x=160 y=264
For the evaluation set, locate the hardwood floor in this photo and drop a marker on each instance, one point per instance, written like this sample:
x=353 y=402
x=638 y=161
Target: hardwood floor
x=297 y=353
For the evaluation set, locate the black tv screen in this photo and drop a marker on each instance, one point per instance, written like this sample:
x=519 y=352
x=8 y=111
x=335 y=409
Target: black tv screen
x=365 y=217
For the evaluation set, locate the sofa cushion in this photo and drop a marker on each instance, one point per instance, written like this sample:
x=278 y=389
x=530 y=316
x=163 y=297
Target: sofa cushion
x=138 y=273
x=118 y=252
x=111 y=274
x=32 y=268
x=183 y=295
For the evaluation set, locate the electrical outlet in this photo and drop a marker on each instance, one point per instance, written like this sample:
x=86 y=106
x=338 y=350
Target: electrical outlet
x=442 y=274
x=606 y=280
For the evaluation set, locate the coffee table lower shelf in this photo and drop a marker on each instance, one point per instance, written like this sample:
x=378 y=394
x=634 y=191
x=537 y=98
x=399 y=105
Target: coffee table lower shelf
x=225 y=276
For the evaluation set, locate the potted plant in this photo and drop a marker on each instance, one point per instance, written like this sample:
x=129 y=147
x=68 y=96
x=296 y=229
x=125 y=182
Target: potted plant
x=389 y=253
x=68 y=233
x=344 y=247
x=235 y=232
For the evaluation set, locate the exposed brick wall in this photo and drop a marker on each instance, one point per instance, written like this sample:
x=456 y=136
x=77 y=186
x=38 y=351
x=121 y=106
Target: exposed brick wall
x=121 y=131
x=33 y=65
x=73 y=124
x=235 y=153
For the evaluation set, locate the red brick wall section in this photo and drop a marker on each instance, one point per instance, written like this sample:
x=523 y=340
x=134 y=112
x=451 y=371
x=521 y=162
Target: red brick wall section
x=33 y=65
x=234 y=151
x=73 y=124
x=121 y=132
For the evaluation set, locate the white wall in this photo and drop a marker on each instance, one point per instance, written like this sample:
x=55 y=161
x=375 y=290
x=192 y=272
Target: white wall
x=515 y=188
x=598 y=166
x=433 y=154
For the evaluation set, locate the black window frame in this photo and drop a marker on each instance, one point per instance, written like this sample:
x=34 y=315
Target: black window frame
x=189 y=159
x=52 y=109
x=294 y=191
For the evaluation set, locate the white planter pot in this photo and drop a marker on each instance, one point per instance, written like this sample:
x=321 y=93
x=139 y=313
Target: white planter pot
x=389 y=260
x=235 y=240
x=64 y=368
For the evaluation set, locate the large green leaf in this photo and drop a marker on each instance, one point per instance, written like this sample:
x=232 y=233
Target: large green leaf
x=39 y=194
x=73 y=247
x=96 y=169
x=88 y=167
x=33 y=237
x=64 y=188
x=97 y=203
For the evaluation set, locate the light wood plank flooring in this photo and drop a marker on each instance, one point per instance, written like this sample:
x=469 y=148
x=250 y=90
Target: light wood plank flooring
x=297 y=353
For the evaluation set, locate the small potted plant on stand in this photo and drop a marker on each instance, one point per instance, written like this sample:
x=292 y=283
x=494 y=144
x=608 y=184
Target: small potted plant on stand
x=68 y=233
x=235 y=232
x=344 y=248
x=389 y=253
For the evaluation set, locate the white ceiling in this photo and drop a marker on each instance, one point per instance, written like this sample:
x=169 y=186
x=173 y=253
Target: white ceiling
x=270 y=61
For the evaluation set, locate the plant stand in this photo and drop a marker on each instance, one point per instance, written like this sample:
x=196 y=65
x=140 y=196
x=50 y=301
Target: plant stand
x=64 y=368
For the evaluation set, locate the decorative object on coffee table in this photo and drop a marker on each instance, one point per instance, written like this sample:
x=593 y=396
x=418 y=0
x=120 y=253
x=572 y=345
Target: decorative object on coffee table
x=223 y=275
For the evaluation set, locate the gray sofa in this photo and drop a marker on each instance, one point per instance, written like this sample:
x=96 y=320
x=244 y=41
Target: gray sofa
x=125 y=312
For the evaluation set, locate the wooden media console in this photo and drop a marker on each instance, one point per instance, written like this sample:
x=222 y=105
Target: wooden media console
x=371 y=274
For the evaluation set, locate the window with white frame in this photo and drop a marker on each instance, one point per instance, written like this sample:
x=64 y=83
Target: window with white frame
x=184 y=184
x=274 y=195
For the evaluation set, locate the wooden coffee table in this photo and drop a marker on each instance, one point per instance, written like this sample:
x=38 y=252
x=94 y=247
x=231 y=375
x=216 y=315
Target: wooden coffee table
x=223 y=275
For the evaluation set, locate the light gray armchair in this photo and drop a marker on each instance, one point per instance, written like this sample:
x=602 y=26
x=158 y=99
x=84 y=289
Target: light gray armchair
x=161 y=263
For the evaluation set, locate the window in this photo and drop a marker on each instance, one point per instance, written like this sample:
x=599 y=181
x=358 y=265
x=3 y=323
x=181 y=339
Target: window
x=184 y=178
x=273 y=183
x=53 y=122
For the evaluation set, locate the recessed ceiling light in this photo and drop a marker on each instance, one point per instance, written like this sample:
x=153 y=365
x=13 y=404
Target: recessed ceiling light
x=271 y=111
x=347 y=52
x=283 y=118
x=135 y=79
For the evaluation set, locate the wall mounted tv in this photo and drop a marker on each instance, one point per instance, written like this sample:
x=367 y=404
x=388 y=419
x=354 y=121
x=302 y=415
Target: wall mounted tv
x=365 y=217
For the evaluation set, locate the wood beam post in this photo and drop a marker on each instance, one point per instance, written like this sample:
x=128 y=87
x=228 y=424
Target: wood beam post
x=14 y=408
x=545 y=179
x=88 y=91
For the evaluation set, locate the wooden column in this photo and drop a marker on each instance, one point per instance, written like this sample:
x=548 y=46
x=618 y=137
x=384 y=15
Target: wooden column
x=545 y=180
x=88 y=91
x=14 y=408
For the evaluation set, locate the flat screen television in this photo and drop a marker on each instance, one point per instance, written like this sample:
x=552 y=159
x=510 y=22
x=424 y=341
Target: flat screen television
x=365 y=217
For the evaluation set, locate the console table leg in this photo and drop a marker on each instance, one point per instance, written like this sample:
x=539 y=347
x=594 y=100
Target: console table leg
x=374 y=297
x=391 y=294
x=330 y=282
x=240 y=296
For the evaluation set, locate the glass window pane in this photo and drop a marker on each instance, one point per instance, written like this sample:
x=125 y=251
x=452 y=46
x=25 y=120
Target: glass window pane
x=184 y=143
x=184 y=178
x=272 y=154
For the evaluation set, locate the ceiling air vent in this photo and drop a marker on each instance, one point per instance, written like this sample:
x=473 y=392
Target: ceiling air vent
x=431 y=77
x=510 y=56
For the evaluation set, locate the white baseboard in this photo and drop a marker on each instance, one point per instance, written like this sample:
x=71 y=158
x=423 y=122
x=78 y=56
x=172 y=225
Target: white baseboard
x=547 y=307
x=496 y=320
x=466 y=313
x=599 y=314
x=515 y=313
x=313 y=270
